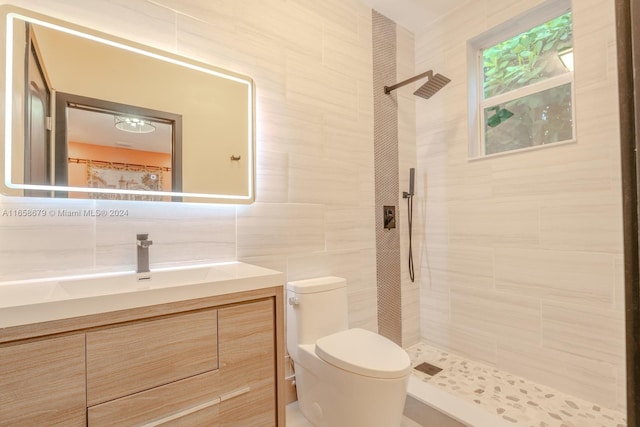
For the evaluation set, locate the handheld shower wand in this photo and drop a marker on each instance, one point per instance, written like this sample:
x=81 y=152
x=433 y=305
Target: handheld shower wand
x=409 y=196
x=412 y=176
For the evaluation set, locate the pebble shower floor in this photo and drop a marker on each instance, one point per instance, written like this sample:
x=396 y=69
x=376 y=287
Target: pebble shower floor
x=514 y=399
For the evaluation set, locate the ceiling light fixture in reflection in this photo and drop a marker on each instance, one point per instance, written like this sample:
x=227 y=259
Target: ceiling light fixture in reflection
x=134 y=124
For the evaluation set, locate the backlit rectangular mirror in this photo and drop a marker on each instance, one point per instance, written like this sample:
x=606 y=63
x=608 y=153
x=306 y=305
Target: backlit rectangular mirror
x=89 y=115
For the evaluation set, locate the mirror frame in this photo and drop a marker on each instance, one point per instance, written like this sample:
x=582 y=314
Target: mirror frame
x=9 y=188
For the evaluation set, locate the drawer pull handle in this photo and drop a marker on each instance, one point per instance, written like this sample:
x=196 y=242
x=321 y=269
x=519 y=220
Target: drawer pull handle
x=234 y=393
x=184 y=413
x=200 y=407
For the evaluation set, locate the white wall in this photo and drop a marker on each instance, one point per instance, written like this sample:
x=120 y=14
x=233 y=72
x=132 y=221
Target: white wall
x=311 y=62
x=522 y=254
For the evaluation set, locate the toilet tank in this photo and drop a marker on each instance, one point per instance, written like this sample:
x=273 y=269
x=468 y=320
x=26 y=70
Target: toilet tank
x=315 y=308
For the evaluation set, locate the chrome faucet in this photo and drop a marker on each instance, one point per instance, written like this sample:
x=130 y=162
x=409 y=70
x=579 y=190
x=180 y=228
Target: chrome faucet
x=143 y=243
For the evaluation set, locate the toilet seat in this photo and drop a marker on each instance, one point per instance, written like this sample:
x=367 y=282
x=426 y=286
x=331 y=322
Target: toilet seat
x=365 y=353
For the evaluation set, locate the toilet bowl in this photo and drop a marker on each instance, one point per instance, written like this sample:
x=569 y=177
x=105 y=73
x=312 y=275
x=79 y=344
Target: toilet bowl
x=344 y=377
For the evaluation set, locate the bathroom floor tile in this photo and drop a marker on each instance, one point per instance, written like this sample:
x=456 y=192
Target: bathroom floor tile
x=295 y=417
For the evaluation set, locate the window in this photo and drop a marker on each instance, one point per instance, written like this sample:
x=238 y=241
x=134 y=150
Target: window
x=523 y=84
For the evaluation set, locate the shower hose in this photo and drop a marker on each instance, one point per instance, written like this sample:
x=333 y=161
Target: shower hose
x=409 y=222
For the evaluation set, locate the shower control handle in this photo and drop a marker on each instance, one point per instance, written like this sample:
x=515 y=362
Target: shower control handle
x=389 y=217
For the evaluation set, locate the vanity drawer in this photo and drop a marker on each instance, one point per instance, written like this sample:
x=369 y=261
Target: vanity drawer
x=247 y=361
x=127 y=359
x=193 y=401
x=42 y=383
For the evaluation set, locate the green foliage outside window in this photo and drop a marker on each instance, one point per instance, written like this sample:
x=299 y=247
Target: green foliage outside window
x=528 y=57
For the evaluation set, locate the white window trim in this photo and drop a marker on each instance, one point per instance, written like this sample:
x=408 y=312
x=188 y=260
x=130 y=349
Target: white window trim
x=476 y=104
x=548 y=83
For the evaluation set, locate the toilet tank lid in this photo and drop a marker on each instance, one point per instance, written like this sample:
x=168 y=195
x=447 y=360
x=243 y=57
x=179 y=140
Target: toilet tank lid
x=365 y=353
x=318 y=284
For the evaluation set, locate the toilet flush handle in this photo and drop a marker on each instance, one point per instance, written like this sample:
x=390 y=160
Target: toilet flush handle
x=294 y=301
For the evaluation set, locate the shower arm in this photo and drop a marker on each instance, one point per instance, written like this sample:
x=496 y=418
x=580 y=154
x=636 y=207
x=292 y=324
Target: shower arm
x=388 y=89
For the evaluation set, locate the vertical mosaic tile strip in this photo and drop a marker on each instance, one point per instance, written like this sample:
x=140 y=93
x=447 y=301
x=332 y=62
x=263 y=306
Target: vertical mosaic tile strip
x=385 y=135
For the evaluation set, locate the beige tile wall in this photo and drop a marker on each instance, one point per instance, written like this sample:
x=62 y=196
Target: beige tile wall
x=521 y=255
x=314 y=214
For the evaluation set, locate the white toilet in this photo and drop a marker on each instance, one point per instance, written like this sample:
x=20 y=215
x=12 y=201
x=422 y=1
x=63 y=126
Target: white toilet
x=344 y=377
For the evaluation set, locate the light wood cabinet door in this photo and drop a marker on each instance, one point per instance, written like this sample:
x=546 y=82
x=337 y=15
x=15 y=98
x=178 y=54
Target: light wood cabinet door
x=190 y=402
x=247 y=364
x=127 y=359
x=43 y=383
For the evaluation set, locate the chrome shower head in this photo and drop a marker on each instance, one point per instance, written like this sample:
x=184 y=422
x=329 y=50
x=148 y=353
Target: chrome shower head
x=434 y=84
x=427 y=90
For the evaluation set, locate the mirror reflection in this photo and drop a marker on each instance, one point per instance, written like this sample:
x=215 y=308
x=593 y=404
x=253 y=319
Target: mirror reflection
x=100 y=117
x=105 y=145
x=108 y=149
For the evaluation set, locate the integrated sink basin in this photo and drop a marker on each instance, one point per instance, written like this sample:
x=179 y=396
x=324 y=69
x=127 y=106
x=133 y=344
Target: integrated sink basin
x=33 y=301
x=71 y=287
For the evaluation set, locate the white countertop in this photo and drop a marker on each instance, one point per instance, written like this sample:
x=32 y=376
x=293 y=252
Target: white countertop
x=33 y=301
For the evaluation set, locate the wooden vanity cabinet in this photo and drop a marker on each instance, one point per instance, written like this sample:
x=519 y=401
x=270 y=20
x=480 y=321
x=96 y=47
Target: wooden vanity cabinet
x=217 y=361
